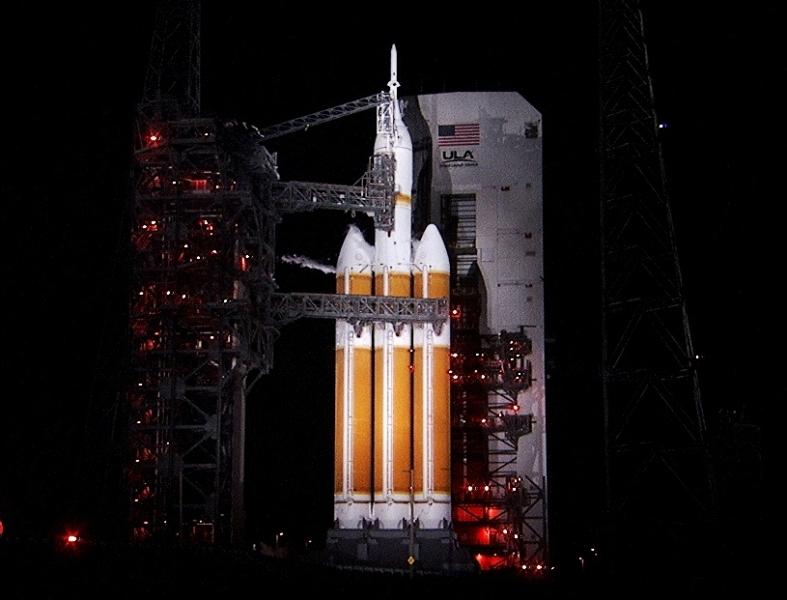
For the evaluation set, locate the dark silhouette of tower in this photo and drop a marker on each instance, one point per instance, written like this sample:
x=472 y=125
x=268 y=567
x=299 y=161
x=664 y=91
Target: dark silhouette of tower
x=658 y=480
x=202 y=239
x=172 y=80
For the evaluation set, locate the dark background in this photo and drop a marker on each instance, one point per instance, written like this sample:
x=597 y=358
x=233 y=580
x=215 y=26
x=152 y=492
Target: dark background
x=72 y=76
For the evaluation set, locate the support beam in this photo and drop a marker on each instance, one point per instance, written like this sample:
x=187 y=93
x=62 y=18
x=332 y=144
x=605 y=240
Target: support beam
x=324 y=116
x=373 y=193
x=358 y=309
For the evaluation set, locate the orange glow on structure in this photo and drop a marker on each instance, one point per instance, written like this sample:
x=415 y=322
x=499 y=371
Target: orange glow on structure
x=199 y=185
x=488 y=562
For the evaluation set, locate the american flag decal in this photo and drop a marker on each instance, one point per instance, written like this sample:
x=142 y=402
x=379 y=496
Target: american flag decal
x=461 y=134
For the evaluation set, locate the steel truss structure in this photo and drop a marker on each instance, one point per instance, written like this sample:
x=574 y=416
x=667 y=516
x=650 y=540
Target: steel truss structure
x=372 y=194
x=203 y=241
x=658 y=484
x=173 y=80
x=324 y=116
x=359 y=310
x=498 y=515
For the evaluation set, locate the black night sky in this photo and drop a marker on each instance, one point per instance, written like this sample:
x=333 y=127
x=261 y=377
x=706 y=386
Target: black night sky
x=73 y=74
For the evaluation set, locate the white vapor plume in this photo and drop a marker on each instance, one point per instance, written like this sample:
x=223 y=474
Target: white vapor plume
x=307 y=263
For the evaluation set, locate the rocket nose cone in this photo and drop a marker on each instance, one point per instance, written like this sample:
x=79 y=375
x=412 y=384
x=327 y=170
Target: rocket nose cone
x=355 y=253
x=431 y=251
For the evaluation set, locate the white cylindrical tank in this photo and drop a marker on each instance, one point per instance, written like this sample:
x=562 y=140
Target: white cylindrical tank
x=432 y=403
x=353 y=443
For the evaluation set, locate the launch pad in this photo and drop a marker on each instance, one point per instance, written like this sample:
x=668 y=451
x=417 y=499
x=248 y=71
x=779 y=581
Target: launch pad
x=427 y=550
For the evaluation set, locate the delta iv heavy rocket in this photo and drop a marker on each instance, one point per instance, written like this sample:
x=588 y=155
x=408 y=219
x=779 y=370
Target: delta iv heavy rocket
x=392 y=444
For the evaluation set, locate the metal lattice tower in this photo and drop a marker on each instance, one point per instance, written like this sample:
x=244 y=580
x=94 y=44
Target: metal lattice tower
x=658 y=483
x=173 y=78
x=202 y=241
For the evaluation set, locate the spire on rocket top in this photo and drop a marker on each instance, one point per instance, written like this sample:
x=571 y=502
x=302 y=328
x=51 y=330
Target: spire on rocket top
x=393 y=84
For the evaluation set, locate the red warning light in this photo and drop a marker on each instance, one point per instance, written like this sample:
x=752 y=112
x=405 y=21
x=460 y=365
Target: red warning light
x=154 y=139
x=69 y=541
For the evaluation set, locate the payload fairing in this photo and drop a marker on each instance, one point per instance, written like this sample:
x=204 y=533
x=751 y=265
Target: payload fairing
x=392 y=453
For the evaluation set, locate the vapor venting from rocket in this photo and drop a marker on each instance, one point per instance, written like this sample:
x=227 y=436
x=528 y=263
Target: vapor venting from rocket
x=307 y=263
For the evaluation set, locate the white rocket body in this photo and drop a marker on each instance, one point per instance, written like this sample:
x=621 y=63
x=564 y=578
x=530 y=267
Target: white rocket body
x=407 y=477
